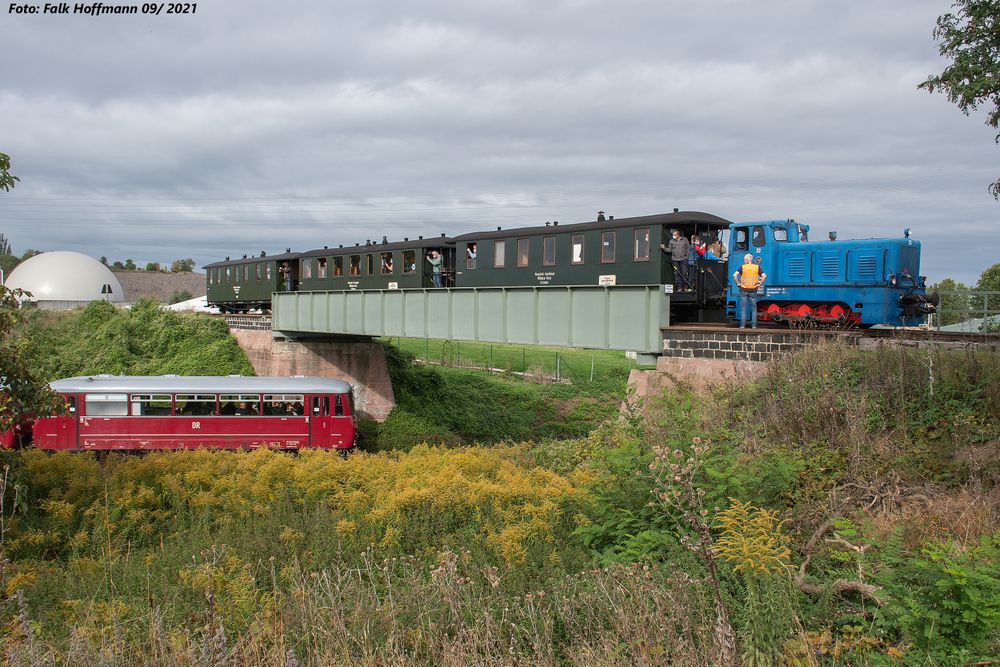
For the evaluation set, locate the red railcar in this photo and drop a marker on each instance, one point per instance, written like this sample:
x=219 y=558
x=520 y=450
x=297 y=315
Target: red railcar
x=120 y=412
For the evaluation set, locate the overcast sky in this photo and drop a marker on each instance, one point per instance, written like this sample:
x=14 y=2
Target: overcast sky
x=255 y=125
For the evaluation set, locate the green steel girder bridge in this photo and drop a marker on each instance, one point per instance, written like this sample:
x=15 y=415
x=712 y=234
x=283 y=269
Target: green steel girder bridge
x=589 y=316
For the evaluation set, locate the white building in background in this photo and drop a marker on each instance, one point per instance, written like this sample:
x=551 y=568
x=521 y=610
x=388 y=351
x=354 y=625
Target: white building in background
x=61 y=279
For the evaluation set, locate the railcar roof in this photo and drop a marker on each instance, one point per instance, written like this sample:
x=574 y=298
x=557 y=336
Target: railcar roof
x=412 y=244
x=193 y=384
x=678 y=218
x=253 y=259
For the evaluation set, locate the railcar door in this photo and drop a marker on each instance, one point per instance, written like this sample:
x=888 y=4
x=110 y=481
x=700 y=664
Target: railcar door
x=327 y=422
x=59 y=431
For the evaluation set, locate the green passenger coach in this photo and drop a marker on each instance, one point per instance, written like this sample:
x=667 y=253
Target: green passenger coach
x=240 y=285
x=397 y=265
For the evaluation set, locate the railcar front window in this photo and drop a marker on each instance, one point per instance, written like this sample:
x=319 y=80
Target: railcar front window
x=780 y=234
x=195 y=405
x=106 y=405
x=549 y=251
x=409 y=261
x=577 y=249
x=641 y=250
x=499 y=253
x=758 y=239
x=607 y=247
x=522 y=252
x=151 y=405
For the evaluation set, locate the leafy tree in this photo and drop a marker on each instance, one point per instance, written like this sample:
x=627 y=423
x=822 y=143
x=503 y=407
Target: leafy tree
x=153 y=266
x=104 y=260
x=182 y=266
x=7 y=180
x=990 y=279
x=129 y=265
x=117 y=266
x=971 y=38
x=5 y=247
x=955 y=305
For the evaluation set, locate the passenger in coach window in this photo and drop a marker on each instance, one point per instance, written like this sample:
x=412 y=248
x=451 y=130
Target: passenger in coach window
x=435 y=260
x=286 y=275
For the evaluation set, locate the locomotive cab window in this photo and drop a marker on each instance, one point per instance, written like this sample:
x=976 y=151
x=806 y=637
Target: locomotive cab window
x=641 y=247
x=549 y=251
x=338 y=267
x=409 y=261
x=499 y=250
x=321 y=267
x=780 y=234
x=576 y=244
x=758 y=239
x=522 y=252
x=740 y=242
x=607 y=247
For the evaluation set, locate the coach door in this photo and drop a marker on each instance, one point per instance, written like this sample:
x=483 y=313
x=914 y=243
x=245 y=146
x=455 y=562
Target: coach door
x=322 y=422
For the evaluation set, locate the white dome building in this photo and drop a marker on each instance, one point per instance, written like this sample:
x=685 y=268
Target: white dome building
x=62 y=279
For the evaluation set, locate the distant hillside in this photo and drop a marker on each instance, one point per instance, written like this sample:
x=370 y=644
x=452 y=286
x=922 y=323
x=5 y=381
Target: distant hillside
x=159 y=286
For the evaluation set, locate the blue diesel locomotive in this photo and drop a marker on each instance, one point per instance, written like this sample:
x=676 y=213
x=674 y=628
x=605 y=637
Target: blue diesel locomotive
x=844 y=283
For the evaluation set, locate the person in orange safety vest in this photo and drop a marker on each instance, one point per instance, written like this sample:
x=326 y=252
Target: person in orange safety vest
x=749 y=278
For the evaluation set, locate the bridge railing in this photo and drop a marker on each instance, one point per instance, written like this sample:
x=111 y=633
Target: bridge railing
x=968 y=310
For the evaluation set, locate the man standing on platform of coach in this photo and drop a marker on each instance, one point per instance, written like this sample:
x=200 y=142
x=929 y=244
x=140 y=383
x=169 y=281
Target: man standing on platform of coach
x=750 y=278
x=678 y=249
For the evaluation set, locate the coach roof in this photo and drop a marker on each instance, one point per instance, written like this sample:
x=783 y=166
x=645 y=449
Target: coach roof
x=679 y=218
x=193 y=384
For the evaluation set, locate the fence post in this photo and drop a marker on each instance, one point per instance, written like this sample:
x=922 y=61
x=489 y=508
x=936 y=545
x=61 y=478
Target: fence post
x=591 y=368
x=491 y=356
x=557 y=367
x=427 y=349
x=458 y=346
x=524 y=365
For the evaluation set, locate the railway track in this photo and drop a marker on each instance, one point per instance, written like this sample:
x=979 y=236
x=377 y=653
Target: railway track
x=930 y=335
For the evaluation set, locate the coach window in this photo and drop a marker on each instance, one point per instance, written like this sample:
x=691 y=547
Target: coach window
x=780 y=233
x=607 y=247
x=148 y=405
x=239 y=405
x=740 y=243
x=386 y=263
x=321 y=267
x=267 y=271
x=499 y=252
x=471 y=252
x=355 y=265
x=409 y=261
x=549 y=251
x=641 y=247
x=522 y=252
x=106 y=405
x=758 y=239
x=229 y=271
x=369 y=264
x=258 y=270
x=307 y=268
x=246 y=272
x=195 y=405
x=338 y=267
x=577 y=246
x=283 y=405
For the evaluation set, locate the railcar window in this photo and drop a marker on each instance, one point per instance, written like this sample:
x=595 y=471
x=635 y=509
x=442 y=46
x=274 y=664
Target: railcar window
x=338 y=407
x=151 y=405
x=641 y=249
x=607 y=247
x=522 y=252
x=549 y=251
x=355 y=265
x=758 y=239
x=386 y=263
x=577 y=245
x=317 y=410
x=369 y=264
x=106 y=405
x=195 y=405
x=239 y=405
x=338 y=267
x=409 y=261
x=284 y=405
x=499 y=252
x=307 y=268
x=780 y=234
x=741 y=239
x=321 y=267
